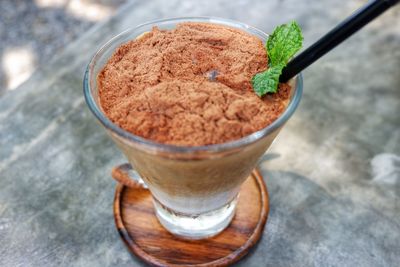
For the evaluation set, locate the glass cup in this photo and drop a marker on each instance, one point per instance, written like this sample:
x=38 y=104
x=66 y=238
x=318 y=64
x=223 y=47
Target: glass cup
x=195 y=189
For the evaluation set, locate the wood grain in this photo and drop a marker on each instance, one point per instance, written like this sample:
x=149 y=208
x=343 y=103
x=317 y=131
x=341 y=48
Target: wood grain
x=146 y=238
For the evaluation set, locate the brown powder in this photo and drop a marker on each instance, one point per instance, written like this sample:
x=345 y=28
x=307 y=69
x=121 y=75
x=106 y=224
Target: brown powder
x=189 y=86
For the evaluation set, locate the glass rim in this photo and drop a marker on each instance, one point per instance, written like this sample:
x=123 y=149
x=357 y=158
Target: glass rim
x=244 y=141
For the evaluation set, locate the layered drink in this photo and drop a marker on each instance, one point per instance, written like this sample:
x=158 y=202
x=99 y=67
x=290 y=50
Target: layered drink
x=176 y=96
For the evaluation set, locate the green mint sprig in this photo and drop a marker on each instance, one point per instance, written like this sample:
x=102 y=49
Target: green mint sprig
x=281 y=46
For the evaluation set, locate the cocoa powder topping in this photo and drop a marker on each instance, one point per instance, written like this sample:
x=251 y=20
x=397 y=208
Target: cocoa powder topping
x=189 y=86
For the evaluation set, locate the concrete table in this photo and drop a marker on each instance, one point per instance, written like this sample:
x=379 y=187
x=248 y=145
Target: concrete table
x=333 y=173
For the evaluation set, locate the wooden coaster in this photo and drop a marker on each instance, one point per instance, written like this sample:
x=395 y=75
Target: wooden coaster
x=138 y=226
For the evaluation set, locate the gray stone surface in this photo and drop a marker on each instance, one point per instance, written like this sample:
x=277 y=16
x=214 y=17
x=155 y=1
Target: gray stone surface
x=42 y=28
x=333 y=173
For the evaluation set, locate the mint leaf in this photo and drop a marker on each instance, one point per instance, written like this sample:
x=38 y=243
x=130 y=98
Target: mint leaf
x=282 y=44
x=267 y=81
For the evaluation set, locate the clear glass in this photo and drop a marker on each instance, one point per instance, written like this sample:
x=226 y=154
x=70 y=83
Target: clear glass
x=195 y=189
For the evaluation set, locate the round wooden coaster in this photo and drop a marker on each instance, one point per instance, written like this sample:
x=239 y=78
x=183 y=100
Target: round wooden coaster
x=138 y=226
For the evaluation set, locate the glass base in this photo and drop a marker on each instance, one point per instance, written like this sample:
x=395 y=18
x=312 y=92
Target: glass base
x=195 y=226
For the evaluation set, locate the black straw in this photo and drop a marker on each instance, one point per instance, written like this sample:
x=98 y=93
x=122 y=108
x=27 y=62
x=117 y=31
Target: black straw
x=337 y=35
